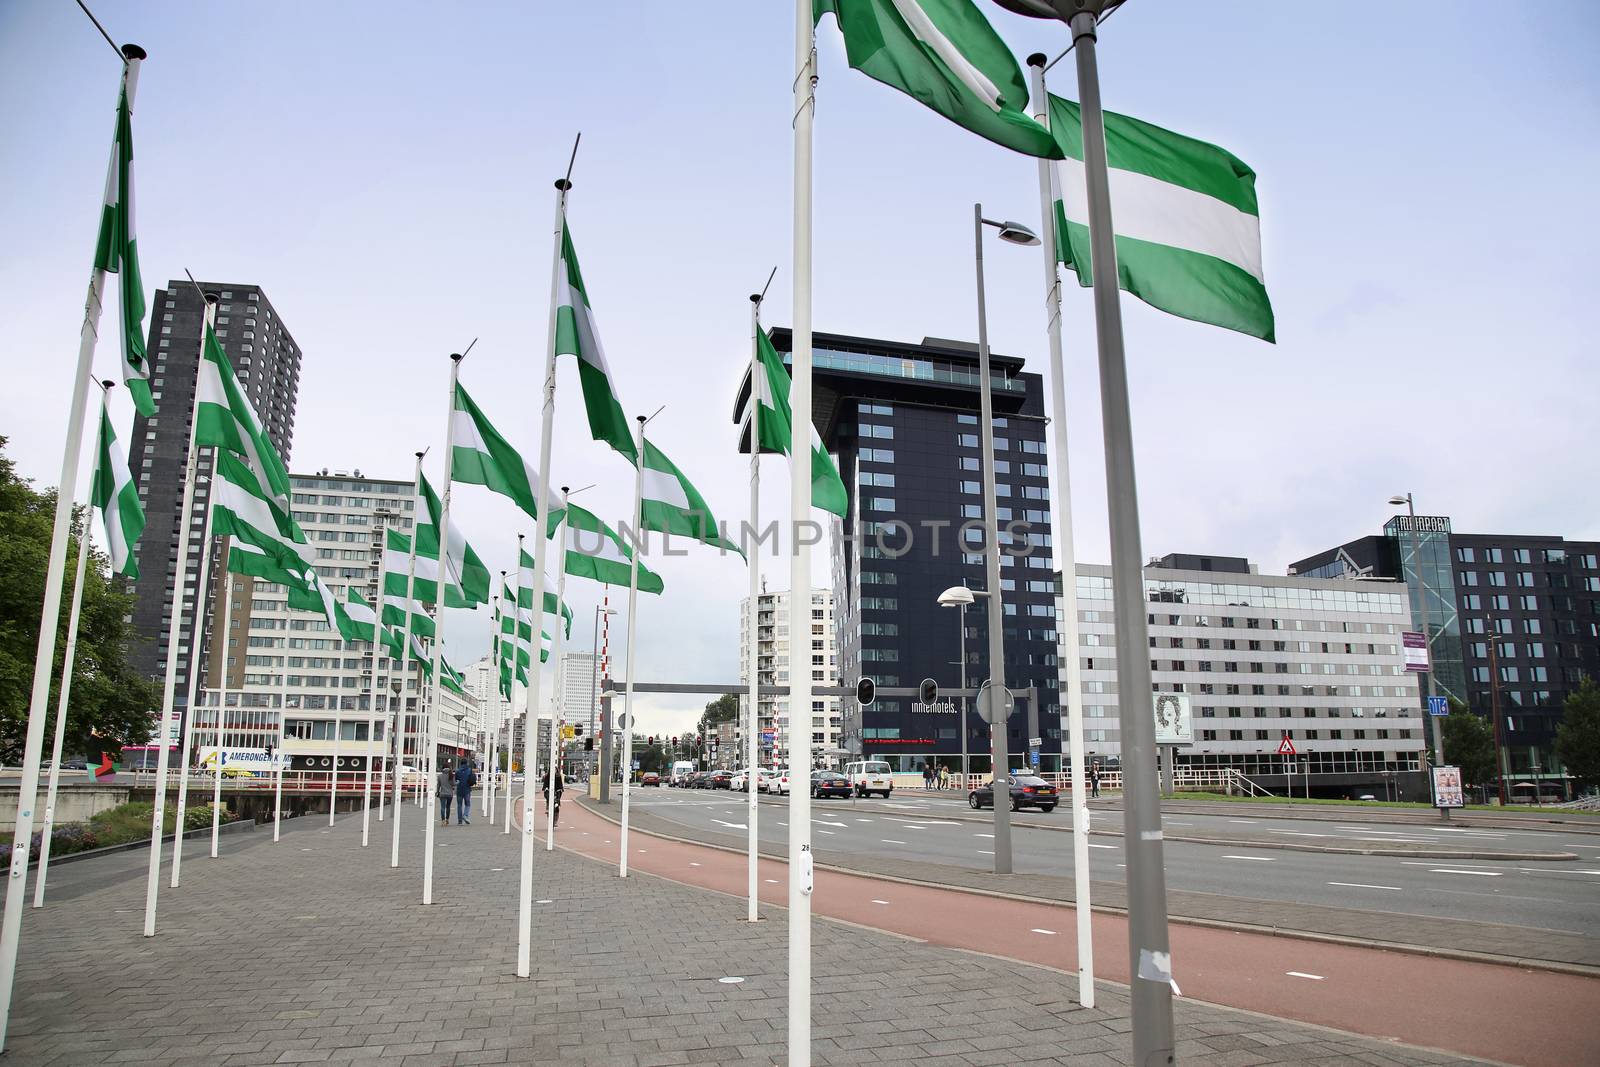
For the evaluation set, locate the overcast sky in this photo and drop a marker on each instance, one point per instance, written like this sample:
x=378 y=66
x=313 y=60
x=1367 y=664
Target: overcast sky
x=384 y=171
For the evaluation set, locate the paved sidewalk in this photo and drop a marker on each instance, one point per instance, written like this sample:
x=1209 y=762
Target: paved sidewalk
x=314 y=951
x=1468 y=940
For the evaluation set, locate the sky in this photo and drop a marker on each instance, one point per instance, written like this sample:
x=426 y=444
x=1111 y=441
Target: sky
x=384 y=171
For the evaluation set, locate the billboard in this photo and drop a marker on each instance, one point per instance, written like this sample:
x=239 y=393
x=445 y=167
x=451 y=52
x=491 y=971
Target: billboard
x=1447 y=791
x=1416 y=648
x=241 y=759
x=1172 y=719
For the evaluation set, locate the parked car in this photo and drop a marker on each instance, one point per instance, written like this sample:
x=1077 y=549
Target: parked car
x=829 y=784
x=719 y=780
x=778 y=783
x=650 y=778
x=870 y=776
x=1027 y=791
x=740 y=783
x=764 y=778
x=700 y=780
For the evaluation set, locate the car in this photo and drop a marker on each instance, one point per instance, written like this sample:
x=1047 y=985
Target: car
x=764 y=778
x=650 y=778
x=740 y=783
x=697 y=780
x=870 y=776
x=720 y=780
x=1027 y=791
x=778 y=784
x=830 y=784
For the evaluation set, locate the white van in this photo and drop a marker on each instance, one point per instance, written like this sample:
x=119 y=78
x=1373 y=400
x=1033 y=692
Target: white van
x=680 y=771
x=870 y=776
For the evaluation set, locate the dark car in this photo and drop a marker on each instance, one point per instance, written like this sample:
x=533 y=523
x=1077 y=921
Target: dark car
x=719 y=780
x=1027 y=791
x=650 y=778
x=700 y=780
x=829 y=784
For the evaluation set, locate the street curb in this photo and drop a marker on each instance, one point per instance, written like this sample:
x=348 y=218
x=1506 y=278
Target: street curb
x=1325 y=813
x=234 y=827
x=1556 y=966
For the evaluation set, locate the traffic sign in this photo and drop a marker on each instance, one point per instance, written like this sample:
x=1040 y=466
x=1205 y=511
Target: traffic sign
x=624 y=720
x=1438 y=705
x=1035 y=742
x=568 y=733
x=1033 y=757
x=1286 y=747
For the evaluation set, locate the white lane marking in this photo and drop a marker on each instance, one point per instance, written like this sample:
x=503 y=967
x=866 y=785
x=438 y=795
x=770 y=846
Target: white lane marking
x=502 y=868
x=986 y=852
x=1037 y=930
x=919 y=823
x=1363 y=885
x=830 y=833
x=825 y=822
x=1295 y=833
x=863 y=820
x=1247 y=822
x=887 y=841
x=1172 y=823
x=1258 y=859
x=1093 y=845
x=1451 y=870
x=780 y=821
x=730 y=825
x=1302 y=974
x=1547 y=870
x=877 y=901
x=1430 y=863
x=731 y=979
x=982 y=835
x=694 y=865
x=551 y=901
x=772 y=881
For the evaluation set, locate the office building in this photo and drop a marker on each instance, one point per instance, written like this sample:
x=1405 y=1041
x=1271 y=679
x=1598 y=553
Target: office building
x=1262 y=658
x=902 y=420
x=483 y=683
x=267 y=361
x=1514 y=619
x=772 y=652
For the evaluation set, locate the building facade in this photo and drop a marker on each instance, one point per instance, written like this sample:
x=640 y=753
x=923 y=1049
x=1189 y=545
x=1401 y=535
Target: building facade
x=1514 y=620
x=826 y=725
x=902 y=420
x=1261 y=658
x=267 y=361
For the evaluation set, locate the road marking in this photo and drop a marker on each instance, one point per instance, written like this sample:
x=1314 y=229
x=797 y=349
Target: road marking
x=772 y=881
x=694 y=865
x=1302 y=974
x=544 y=902
x=920 y=823
x=1547 y=870
x=496 y=868
x=986 y=852
x=731 y=979
x=1296 y=833
x=982 y=835
x=1451 y=870
x=731 y=825
x=1249 y=822
x=877 y=901
x=1258 y=859
x=1037 y=930
x=825 y=822
x=887 y=841
x=830 y=833
x=1093 y=845
x=863 y=820
x=1363 y=885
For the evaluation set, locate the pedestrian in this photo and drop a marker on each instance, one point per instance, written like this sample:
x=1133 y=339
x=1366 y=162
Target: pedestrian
x=560 y=785
x=447 y=789
x=944 y=777
x=1094 y=778
x=466 y=778
x=927 y=776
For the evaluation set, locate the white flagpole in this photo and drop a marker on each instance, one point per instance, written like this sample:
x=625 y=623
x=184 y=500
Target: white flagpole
x=66 y=690
x=55 y=571
x=221 y=691
x=405 y=667
x=174 y=650
x=752 y=630
x=333 y=779
x=1066 y=556
x=201 y=608
x=493 y=733
x=530 y=733
x=516 y=648
x=633 y=630
x=438 y=641
x=556 y=651
x=281 y=757
x=800 y=858
x=372 y=712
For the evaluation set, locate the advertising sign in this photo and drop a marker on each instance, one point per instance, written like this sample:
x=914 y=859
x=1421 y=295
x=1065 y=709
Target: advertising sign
x=258 y=760
x=1416 y=647
x=1447 y=790
x=1172 y=719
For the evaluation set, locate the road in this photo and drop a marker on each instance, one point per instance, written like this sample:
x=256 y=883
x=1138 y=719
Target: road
x=1556 y=896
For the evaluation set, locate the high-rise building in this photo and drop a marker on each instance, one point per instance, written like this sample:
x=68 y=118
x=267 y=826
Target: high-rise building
x=267 y=361
x=1514 y=620
x=1261 y=658
x=903 y=422
x=823 y=731
x=483 y=683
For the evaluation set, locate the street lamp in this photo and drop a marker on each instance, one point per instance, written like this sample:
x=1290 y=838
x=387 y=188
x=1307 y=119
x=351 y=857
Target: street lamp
x=1437 y=741
x=1000 y=760
x=958 y=597
x=594 y=679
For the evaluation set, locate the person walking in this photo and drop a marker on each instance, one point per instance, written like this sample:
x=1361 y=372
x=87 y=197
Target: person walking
x=1094 y=778
x=447 y=789
x=944 y=778
x=927 y=776
x=466 y=778
x=560 y=785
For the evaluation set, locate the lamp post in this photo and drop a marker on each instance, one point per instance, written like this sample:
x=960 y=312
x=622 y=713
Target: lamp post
x=594 y=679
x=1436 y=741
x=958 y=597
x=999 y=758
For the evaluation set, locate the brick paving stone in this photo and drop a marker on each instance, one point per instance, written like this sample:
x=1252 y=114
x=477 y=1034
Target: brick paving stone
x=314 y=951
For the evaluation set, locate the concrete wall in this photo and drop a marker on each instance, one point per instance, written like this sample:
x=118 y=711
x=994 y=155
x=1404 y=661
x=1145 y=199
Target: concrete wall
x=74 y=804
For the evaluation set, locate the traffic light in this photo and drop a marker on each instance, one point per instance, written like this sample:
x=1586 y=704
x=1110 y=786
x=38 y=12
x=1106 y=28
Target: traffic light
x=577 y=729
x=588 y=744
x=866 y=690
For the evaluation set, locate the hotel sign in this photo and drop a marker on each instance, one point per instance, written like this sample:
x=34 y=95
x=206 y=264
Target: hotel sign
x=1421 y=523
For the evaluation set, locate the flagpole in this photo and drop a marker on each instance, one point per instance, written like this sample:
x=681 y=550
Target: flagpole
x=494 y=735
x=516 y=648
x=438 y=640
x=282 y=756
x=1066 y=555
x=333 y=779
x=752 y=629
x=55 y=571
x=530 y=734
x=222 y=691
x=633 y=630
x=372 y=710
x=405 y=667
x=800 y=858
x=1149 y=946
x=66 y=689
x=557 y=647
x=196 y=622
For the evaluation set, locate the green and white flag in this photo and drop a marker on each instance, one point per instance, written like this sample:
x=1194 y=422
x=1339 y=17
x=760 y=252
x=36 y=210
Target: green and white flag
x=771 y=391
x=355 y=618
x=226 y=420
x=117 y=252
x=465 y=571
x=593 y=550
x=669 y=504
x=1188 y=230
x=304 y=589
x=945 y=54
x=516 y=622
x=114 y=493
x=576 y=335
x=481 y=456
x=241 y=509
x=524 y=600
x=451 y=678
x=425 y=585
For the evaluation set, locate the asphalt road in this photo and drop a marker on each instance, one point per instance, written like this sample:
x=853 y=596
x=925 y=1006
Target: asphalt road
x=1559 y=896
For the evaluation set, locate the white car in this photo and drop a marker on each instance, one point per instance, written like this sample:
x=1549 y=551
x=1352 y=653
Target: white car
x=870 y=776
x=778 y=782
x=740 y=782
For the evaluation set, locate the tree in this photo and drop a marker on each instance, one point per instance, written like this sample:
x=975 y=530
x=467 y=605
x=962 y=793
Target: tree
x=111 y=705
x=1469 y=744
x=1578 y=736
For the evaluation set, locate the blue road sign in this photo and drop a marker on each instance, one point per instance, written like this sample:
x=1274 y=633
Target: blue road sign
x=1033 y=757
x=1438 y=706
